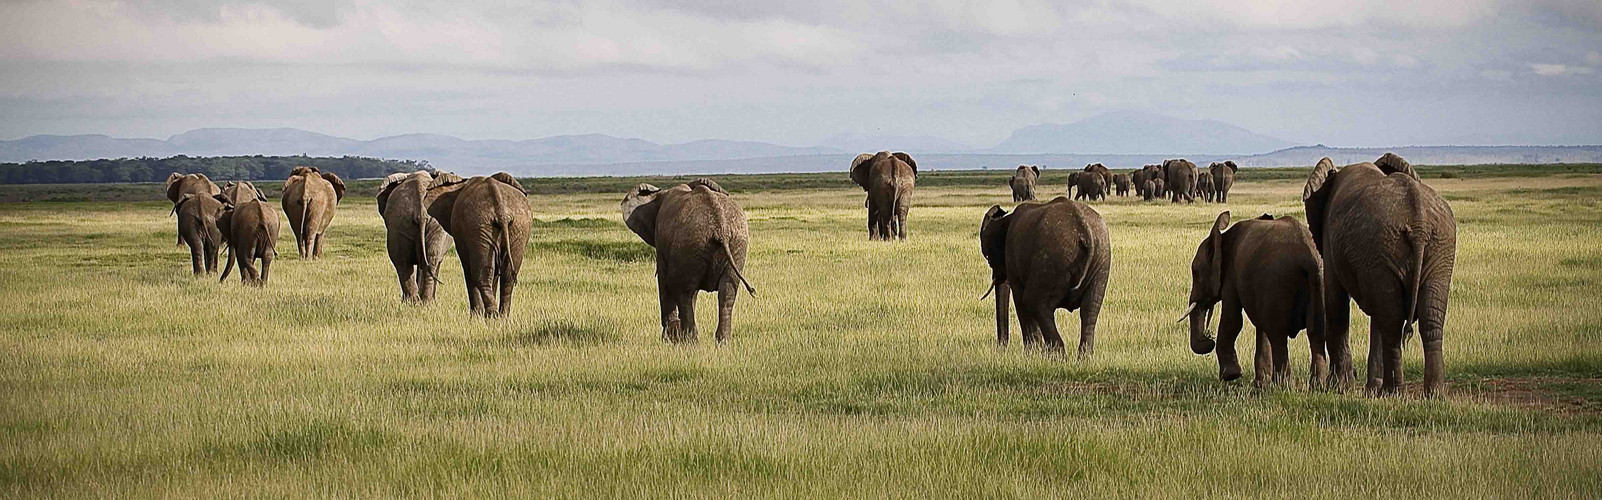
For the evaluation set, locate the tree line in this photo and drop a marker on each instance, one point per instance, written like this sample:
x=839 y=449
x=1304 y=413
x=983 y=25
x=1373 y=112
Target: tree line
x=219 y=168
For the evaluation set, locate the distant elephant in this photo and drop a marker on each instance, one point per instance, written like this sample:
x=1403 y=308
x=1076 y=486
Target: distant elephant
x=416 y=242
x=1155 y=173
x=1055 y=255
x=242 y=191
x=1390 y=243
x=1023 y=183
x=700 y=236
x=1271 y=269
x=1180 y=180
x=1139 y=180
x=1148 y=191
x=1105 y=174
x=888 y=178
x=1091 y=186
x=197 y=227
x=1158 y=187
x=310 y=197
x=491 y=220
x=1204 y=185
x=1073 y=182
x=251 y=229
x=179 y=185
x=1223 y=179
x=1122 y=183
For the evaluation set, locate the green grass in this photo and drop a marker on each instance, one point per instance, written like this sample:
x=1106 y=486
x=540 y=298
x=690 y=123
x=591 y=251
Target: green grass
x=862 y=369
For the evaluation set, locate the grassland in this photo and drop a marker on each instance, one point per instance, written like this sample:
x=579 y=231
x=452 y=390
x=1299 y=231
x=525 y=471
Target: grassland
x=861 y=369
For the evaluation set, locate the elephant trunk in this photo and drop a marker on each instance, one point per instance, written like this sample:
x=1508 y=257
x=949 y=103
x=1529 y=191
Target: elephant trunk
x=1003 y=294
x=1200 y=342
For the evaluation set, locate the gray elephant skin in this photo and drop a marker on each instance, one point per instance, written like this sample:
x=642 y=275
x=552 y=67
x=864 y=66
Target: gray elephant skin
x=1073 y=182
x=1091 y=187
x=1156 y=173
x=490 y=220
x=1104 y=174
x=1180 y=180
x=1122 y=183
x=1389 y=242
x=179 y=185
x=242 y=191
x=1023 y=182
x=415 y=241
x=197 y=227
x=700 y=236
x=309 y=199
x=1047 y=256
x=251 y=229
x=1148 y=191
x=1223 y=179
x=1270 y=269
x=888 y=178
x=1204 y=185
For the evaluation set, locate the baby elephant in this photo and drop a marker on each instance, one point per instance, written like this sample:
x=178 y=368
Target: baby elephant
x=700 y=238
x=251 y=230
x=1054 y=255
x=1270 y=268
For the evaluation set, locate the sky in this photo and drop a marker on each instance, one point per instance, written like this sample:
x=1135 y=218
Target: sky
x=1337 y=72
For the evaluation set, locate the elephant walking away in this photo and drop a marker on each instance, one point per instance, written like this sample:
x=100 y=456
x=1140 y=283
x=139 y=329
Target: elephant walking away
x=1121 y=181
x=1269 y=268
x=179 y=185
x=1091 y=186
x=1148 y=191
x=490 y=220
x=242 y=191
x=888 y=178
x=700 y=236
x=1053 y=255
x=1073 y=182
x=1023 y=183
x=197 y=227
x=1204 y=185
x=251 y=229
x=416 y=242
x=1389 y=242
x=1106 y=176
x=1223 y=179
x=1181 y=180
x=1158 y=187
x=1156 y=173
x=310 y=197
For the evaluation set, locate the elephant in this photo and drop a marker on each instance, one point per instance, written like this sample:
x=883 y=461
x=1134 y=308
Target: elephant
x=1148 y=191
x=1092 y=186
x=491 y=220
x=1055 y=255
x=1155 y=172
x=700 y=236
x=1269 y=268
x=1223 y=179
x=1204 y=185
x=1121 y=181
x=309 y=199
x=1023 y=183
x=1181 y=180
x=1389 y=242
x=1158 y=187
x=1073 y=181
x=241 y=191
x=1138 y=177
x=251 y=229
x=1106 y=176
x=197 y=227
x=416 y=242
x=179 y=185
x=888 y=179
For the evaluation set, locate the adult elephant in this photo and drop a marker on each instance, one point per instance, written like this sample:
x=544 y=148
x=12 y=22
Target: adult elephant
x=1390 y=243
x=1204 y=185
x=1269 y=268
x=1023 y=183
x=700 y=236
x=1073 y=182
x=251 y=229
x=309 y=199
x=1155 y=173
x=1121 y=182
x=1053 y=255
x=1180 y=180
x=416 y=242
x=490 y=219
x=197 y=227
x=1105 y=175
x=1092 y=186
x=1138 y=178
x=1148 y=191
x=1223 y=179
x=242 y=191
x=888 y=178
x=179 y=185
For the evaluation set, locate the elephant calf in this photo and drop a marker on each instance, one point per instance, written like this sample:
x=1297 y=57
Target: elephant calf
x=491 y=220
x=1204 y=185
x=197 y=227
x=1269 y=268
x=1052 y=255
x=251 y=229
x=1148 y=191
x=1023 y=183
x=700 y=236
x=415 y=241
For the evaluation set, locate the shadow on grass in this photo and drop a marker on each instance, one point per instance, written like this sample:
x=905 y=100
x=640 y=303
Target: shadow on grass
x=614 y=251
x=554 y=332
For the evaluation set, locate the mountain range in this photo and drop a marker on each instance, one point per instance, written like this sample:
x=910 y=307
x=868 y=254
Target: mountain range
x=1117 y=139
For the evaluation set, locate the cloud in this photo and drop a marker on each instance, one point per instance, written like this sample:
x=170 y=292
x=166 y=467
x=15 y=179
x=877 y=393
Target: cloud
x=1593 y=58
x=1559 y=69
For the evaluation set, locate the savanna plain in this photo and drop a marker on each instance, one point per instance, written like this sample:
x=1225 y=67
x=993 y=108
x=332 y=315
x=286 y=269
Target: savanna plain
x=860 y=369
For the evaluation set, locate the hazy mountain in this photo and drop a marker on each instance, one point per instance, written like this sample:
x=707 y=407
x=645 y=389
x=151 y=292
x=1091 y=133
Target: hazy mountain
x=865 y=143
x=1307 y=156
x=1132 y=132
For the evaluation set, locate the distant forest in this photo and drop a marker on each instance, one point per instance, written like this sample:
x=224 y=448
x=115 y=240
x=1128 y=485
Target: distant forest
x=218 y=168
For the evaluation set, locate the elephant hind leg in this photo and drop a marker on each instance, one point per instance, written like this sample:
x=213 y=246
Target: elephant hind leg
x=197 y=255
x=266 y=265
x=1432 y=327
x=508 y=283
x=727 y=292
x=686 y=303
x=1046 y=319
x=670 y=314
x=1337 y=332
x=1387 y=334
x=903 y=204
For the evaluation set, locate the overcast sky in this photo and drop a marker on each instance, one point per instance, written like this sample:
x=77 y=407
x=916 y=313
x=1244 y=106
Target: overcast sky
x=1338 y=72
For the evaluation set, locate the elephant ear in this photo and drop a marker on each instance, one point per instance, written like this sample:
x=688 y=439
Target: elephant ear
x=993 y=240
x=1035 y=168
x=1217 y=237
x=859 y=169
x=339 y=185
x=174 y=182
x=387 y=187
x=260 y=196
x=639 y=212
x=1391 y=163
x=907 y=158
x=507 y=179
x=441 y=206
x=707 y=183
x=1232 y=167
x=225 y=222
x=180 y=203
x=1315 y=195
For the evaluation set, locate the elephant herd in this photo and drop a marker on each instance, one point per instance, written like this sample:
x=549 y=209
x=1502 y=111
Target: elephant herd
x=1177 y=179
x=1375 y=234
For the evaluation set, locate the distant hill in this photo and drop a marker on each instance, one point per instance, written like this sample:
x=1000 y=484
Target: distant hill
x=1133 y=132
x=1306 y=156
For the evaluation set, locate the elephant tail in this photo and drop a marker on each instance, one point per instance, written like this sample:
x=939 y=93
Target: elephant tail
x=1416 y=237
x=229 y=266
x=503 y=248
x=729 y=255
x=305 y=215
